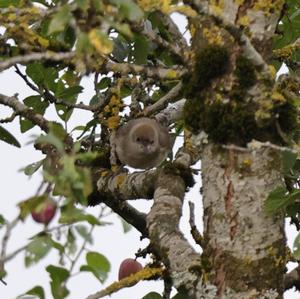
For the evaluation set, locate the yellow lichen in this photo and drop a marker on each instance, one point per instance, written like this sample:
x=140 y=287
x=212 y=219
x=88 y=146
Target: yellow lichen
x=113 y=122
x=269 y=6
x=120 y=179
x=213 y=36
x=183 y=9
x=100 y=41
x=277 y=97
x=244 y=21
x=172 y=74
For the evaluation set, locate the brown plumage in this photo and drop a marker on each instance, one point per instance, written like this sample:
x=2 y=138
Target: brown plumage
x=142 y=143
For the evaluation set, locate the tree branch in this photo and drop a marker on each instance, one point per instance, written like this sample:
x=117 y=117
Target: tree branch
x=60 y=56
x=170 y=97
x=153 y=72
x=292 y=279
x=21 y=109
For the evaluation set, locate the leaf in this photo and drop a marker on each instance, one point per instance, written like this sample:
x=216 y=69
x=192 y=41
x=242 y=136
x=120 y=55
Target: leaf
x=141 y=49
x=152 y=295
x=37 y=104
x=58 y=277
x=69 y=92
x=2 y=221
x=104 y=83
x=84 y=233
x=181 y=296
x=60 y=20
x=37 y=249
x=35 y=71
x=126 y=226
x=30 y=204
x=279 y=199
x=296 y=247
x=100 y=41
x=37 y=291
x=129 y=10
x=33 y=167
x=288 y=160
x=97 y=264
x=7 y=3
x=8 y=137
x=71 y=215
x=121 y=49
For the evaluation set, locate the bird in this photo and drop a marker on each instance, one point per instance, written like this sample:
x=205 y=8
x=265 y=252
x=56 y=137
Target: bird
x=142 y=143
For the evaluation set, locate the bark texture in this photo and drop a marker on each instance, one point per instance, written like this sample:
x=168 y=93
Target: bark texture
x=244 y=247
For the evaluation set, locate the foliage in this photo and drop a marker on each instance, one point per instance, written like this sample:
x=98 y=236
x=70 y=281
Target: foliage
x=134 y=56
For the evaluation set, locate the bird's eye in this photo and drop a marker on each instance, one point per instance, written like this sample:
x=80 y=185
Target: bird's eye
x=138 y=139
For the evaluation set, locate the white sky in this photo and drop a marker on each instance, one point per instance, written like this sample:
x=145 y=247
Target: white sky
x=109 y=240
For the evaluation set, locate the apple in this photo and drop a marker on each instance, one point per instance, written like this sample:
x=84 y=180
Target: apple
x=128 y=267
x=44 y=212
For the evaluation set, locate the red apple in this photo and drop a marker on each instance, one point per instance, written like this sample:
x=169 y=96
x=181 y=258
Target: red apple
x=44 y=212
x=128 y=267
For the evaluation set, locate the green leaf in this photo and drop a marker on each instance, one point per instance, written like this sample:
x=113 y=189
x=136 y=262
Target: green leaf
x=8 y=137
x=97 y=264
x=288 y=160
x=33 y=167
x=141 y=49
x=152 y=295
x=2 y=221
x=279 y=199
x=71 y=215
x=104 y=83
x=181 y=296
x=84 y=233
x=296 y=247
x=25 y=125
x=60 y=20
x=58 y=277
x=36 y=72
x=30 y=204
x=69 y=92
x=129 y=9
x=37 y=292
x=126 y=226
x=37 y=104
x=121 y=49
x=37 y=249
x=7 y=3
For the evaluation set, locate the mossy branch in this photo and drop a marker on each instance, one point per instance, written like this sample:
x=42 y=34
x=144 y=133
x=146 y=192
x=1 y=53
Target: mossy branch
x=145 y=274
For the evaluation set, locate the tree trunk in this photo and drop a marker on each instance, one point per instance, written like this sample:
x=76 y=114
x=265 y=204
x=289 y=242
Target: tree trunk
x=244 y=247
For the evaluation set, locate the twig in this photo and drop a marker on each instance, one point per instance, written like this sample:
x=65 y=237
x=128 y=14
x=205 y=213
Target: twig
x=170 y=97
x=254 y=145
x=197 y=236
x=6 y=236
x=154 y=72
x=292 y=279
x=146 y=273
x=24 y=77
x=60 y=56
x=8 y=119
x=21 y=109
x=155 y=38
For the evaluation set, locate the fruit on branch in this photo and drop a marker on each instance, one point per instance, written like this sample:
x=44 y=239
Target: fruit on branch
x=44 y=212
x=129 y=266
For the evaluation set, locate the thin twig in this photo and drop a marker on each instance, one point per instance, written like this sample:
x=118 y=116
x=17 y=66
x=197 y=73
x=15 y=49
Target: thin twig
x=8 y=119
x=170 y=97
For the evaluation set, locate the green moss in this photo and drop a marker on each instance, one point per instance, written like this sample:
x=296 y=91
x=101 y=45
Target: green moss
x=193 y=111
x=245 y=72
x=210 y=62
x=287 y=117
